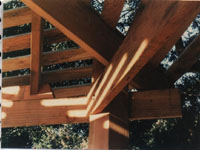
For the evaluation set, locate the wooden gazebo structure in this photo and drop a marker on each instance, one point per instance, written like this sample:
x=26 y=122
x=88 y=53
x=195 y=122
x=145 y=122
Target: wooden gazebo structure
x=119 y=65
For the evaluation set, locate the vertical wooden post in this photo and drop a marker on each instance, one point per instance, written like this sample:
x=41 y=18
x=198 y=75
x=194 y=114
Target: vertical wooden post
x=108 y=132
x=36 y=50
x=110 y=129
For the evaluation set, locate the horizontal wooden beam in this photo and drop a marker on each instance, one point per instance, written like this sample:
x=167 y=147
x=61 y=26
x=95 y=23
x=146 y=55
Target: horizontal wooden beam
x=16 y=93
x=185 y=61
x=66 y=74
x=155 y=104
x=73 y=91
x=139 y=46
x=84 y=30
x=48 y=58
x=22 y=41
x=43 y=112
x=16 y=17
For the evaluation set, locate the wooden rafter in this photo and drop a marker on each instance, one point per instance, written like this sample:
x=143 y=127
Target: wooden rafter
x=65 y=74
x=48 y=58
x=139 y=46
x=153 y=67
x=22 y=41
x=185 y=61
x=84 y=30
x=36 y=51
x=15 y=17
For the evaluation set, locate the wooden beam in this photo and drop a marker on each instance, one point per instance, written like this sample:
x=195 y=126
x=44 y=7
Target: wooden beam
x=111 y=12
x=154 y=64
x=108 y=132
x=139 y=46
x=185 y=61
x=68 y=55
x=16 y=93
x=22 y=41
x=84 y=30
x=43 y=112
x=65 y=74
x=48 y=58
x=155 y=104
x=195 y=67
x=36 y=51
x=16 y=17
x=74 y=91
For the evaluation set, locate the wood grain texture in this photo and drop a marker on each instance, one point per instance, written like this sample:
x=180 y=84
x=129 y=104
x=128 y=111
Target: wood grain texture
x=155 y=104
x=176 y=30
x=52 y=76
x=107 y=132
x=22 y=41
x=16 y=93
x=66 y=74
x=139 y=46
x=43 y=112
x=68 y=55
x=36 y=51
x=185 y=61
x=87 y=30
x=48 y=58
x=111 y=12
x=16 y=17
x=73 y=91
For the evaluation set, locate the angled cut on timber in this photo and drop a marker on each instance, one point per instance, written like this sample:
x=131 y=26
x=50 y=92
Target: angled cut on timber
x=181 y=22
x=22 y=41
x=185 y=61
x=77 y=21
x=43 y=112
x=36 y=51
x=48 y=58
x=155 y=104
x=139 y=46
x=111 y=12
x=65 y=74
x=15 y=17
x=108 y=132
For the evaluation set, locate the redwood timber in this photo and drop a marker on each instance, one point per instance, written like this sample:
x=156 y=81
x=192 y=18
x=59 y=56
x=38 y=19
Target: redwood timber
x=111 y=12
x=22 y=41
x=36 y=51
x=183 y=21
x=155 y=104
x=108 y=132
x=48 y=58
x=65 y=74
x=185 y=61
x=87 y=30
x=139 y=46
x=74 y=91
x=43 y=112
x=16 y=17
